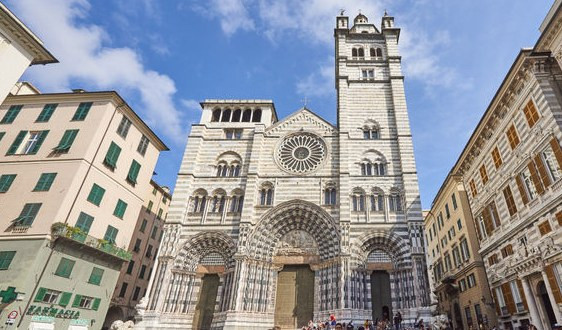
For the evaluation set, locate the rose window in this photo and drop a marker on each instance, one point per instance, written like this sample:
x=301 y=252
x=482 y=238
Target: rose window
x=301 y=153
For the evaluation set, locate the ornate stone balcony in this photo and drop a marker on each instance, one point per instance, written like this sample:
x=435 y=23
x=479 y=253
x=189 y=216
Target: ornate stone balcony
x=65 y=232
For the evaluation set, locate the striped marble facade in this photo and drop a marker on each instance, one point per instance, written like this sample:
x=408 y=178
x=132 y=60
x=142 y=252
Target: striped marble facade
x=248 y=240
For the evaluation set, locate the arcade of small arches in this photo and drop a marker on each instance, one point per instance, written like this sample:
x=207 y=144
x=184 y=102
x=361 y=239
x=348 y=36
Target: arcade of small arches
x=373 y=163
x=290 y=237
x=379 y=202
x=202 y=203
x=228 y=115
x=359 y=52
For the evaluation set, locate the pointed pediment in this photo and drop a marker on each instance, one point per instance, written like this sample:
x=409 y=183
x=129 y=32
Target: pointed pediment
x=302 y=119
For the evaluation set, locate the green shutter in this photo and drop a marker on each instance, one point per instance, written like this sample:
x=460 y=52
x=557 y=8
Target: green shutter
x=40 y=139
x=133 y=172
x=17 y=142
x=110 y=234
x=65 y=299
x=66 y=141
x=96 y=194
x=11 y=114
x=6 y=181
x=46 y=113
x=2 y=135
x=120 y=209
x=96 y=304
x=112 y=155
x=95 y=276
x=82 y=111
x=64 y=268
x=76 y=302
x=45 y=182
x=84 y=222
x=6 y=258
x=40 y=294
x=28 y=214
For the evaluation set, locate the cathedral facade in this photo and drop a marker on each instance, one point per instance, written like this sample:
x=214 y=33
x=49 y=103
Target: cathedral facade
x=275 y=222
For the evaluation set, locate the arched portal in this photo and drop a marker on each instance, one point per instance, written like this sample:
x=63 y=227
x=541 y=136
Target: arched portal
x=546 y=304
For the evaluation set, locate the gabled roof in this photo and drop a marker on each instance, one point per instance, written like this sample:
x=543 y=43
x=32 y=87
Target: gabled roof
x=302 y=112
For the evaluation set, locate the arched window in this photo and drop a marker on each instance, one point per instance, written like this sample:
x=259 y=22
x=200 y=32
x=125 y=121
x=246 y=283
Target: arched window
x=370 y=133
x=358 y=200
x=361 y=52
x=354 y=52
x=236 y=115
x=372 y=52
x=395 y=202
x=236 y=203
x=377 y=201
x=330 y=196
x=217 y=205
x=266 y=197
x=379 y=169
x=226 y=116
x=256 y=118
x=199 y=201
x=247 y=116
x=235 y=170
x=379 y=52
x=216 y=115
x=222 y=170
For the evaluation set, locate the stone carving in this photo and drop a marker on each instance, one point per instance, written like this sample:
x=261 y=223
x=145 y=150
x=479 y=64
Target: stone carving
x=300 y=153
x=297 y=242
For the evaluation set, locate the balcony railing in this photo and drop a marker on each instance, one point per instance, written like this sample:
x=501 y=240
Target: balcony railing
x=76 y=235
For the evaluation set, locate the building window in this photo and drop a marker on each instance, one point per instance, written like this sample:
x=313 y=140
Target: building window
x=509 y=201
x=82 y=111
x=552 y=164
x=6 y=258
x=235 y=170
x=531 y=113
x=46 y=113
x=545 y=228
x=136 y=293
x=358 y=201
x=49 y=296
x=493 y=259
x=473 y=190
x=394 y=203
x=45 y=182
x=266 y=197
x=123 y=290
x=27 y=215
x=216 y=115
x=6 y=181
x=454 y=201
x=2 y=135
x=330 y=196
x=236 y=115
x=120 y=209
x=368 y=74
x=447 y=212
x=160 y=211
x=376 y=169
x=233 y=134
x=110 y=234
x=137 y=246
x=96 y=276
x=64 y=269
x=462 y=285
x=507 y=251
x=370 y=134
x=456 y=256
x=483 y=174
x=11 y=115
x=377 y=202
x=112 y=156
x=465 y=252
x=447 y=259
x=143 y=145
x=514 y=287
x=478 y=312
x=84 y=222
x=496 y=157
x=236 y=204
x=133 y=172
x=199 y=203
x=155 y=230
x=256 y=116
x=512 y=137
x=130 y=267
x=501 y=301
x=471 y=280
x=33 y=141
x=66 y=141
x=96 y=195
x=451 y=233
x=530 y=189
x=459 y=224
x=142 y=271
x=149 y=206
x=123 y=128
x=85 y=302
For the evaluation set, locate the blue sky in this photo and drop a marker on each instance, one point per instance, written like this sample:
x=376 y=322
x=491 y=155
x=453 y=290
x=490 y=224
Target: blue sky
x=166 y=56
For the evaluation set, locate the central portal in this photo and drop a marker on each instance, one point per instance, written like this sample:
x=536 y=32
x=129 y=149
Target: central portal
x=380 y=295
x=294 y=302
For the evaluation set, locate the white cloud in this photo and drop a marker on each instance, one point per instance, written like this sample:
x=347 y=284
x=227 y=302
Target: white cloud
x=85 y=58
x=232 y=14
x=319 y=83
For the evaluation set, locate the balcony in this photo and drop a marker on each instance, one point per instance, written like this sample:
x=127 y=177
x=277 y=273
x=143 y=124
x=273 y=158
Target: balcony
x=62 y=231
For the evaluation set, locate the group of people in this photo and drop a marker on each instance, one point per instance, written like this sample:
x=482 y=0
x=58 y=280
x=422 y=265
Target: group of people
x=377 y=324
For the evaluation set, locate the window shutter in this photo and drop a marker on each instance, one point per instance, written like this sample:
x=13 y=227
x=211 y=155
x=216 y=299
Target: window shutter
x=522 y=294
x=557 y=151
x=96 y=304
x=133 y=172
x=67 y=139
x=17 y=142
x=46 y=113
x=487 y=221
x=40 y=140
x=495 y=214
x=535 y=178
x=40 y=294
x=112 y=155
x=542 y=171
x=508 y=298
x=76 y=302
x=2 y=135
x=553 y=284
x=496 y=302
x=478 y=232
x=522 y=191
x=65 y=298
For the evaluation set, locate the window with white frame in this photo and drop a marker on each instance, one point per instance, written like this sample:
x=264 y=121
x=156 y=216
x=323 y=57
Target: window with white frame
x=501 y=301
x=368 y=74
x=233 y=134
x=266 y=196
x=465 y=252
x=471 y=280
x=330 y=196
x=377 y=202
x=482 y=226
x=516 y=296
x=199 y=202
x=51 y=296
x=527 y=181
x=551 y=164
x=217 y=203
x=86 y=302
x=236 y=203
x=358 y=201
x=370 y=133
x=394 y=203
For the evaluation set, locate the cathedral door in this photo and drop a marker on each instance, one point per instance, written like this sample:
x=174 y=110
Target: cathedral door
x=294 y=303
x=380 y=295
x=205 y=307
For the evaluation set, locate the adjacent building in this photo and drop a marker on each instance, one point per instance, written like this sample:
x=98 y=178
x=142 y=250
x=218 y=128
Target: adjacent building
x=133 y=280
x=456 y=270
x=19 y=48
x=512 y=167
x=275 y=222
x=75 y=169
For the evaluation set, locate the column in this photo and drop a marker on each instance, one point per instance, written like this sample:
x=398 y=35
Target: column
x=533 y=311
x=551 y=297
